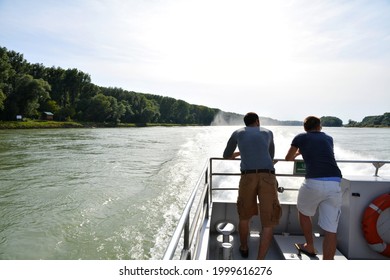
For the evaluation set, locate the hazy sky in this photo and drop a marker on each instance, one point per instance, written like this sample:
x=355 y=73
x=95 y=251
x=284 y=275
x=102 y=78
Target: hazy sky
x=281 y=59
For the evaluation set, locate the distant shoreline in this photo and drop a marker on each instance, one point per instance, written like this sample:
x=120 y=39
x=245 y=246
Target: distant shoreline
x=40 y=124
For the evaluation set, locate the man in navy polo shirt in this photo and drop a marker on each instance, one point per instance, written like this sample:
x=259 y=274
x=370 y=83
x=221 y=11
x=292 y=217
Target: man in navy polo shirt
x=321 y=187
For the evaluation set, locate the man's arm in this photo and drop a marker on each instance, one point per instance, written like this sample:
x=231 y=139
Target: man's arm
x=235 y=154
x=292 y=153
x=272 y=147
x=230 y=148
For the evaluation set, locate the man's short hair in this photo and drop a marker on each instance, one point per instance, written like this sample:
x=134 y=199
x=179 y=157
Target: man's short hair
x=311 y=123
x=250 y=118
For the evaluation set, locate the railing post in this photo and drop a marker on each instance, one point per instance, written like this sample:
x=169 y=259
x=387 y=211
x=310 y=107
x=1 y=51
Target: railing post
x=207 y=195
x=377 y=165
x=211 y=179
x=186 y=241
x=206 y=202
x=187 y=234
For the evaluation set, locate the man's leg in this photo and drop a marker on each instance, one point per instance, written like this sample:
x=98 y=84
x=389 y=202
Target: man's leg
x=265 y=241
x=329 y=245
x=306 y=226
x=243 y=230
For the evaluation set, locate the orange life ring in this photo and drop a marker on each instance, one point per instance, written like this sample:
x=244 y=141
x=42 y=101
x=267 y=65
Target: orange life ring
x=370 y=218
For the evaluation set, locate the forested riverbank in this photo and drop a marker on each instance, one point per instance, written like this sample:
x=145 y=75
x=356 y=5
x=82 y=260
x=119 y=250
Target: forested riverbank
x=27 y=91
x=30 y=124
x=46 y=97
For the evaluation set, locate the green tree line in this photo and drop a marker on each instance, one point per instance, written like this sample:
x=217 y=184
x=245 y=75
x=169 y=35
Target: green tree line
x=372 y=121
x=331 y=121
x=29 y=89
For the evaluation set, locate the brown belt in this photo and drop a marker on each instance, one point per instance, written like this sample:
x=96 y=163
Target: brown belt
x=257 y=171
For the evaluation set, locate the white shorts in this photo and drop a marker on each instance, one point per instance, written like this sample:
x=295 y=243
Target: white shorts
x=324 y=195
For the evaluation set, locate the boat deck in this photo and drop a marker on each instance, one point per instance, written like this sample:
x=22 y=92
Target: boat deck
x=285 y=235
x=211 y=214
x=282 y=248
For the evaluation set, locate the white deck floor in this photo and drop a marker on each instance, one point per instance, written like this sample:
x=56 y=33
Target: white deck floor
x=282 y=248
x=286 y=245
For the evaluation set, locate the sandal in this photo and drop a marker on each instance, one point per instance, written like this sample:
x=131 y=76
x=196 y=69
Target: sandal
x=301 y=248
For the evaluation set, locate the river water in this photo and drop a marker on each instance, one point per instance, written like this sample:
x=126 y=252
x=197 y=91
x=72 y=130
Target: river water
x=117 y=193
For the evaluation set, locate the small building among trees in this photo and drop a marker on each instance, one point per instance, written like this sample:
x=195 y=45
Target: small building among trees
x=47 y=116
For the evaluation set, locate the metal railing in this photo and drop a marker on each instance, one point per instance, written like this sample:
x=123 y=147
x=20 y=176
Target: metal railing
x=190 y=228
x=190 y=225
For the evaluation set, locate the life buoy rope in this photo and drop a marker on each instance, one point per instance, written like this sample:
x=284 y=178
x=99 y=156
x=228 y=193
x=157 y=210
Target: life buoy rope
x=370 y=218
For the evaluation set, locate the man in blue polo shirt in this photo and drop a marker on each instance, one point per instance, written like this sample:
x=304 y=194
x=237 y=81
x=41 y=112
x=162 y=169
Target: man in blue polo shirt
x=321 y=187
x=256 y=148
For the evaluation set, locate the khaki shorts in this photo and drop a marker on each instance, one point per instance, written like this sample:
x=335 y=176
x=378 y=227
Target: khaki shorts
x=262 y=186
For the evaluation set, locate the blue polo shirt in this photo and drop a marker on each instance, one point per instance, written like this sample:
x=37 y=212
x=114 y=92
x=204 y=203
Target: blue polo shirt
x=317 y=152
x=256 y=146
